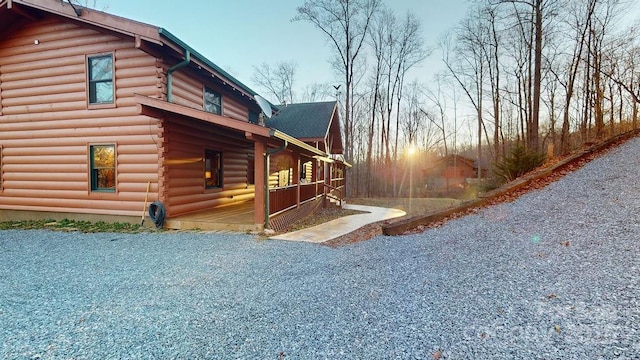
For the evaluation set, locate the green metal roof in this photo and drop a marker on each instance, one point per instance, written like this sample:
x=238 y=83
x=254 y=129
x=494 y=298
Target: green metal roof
x=304 y=121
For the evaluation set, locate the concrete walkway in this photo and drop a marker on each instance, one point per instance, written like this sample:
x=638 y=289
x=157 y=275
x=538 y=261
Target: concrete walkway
x=344 y=225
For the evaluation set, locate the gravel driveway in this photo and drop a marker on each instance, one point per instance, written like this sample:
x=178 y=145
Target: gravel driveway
x=553 y=275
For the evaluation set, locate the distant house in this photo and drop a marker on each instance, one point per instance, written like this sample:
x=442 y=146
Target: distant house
x=95 y=109
x=450 y=172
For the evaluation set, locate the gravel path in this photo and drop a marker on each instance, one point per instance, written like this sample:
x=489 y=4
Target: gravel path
x=553 y=275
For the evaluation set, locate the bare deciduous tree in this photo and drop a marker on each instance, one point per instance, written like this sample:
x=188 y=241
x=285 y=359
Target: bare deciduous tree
x=466 y=63
x=345 y=23
x=567 y=73
x=316 y=92
x=539 y=11
x=277 y=80
x=411 y=51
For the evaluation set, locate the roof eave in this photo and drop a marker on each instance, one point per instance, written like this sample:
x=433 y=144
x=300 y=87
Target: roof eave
x=335 y=116
x=290 y=139
x=98 y=18
x=225 y=76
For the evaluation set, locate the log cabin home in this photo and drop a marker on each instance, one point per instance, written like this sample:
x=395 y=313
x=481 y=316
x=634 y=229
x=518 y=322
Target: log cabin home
x=99 y=113
x=449 y=175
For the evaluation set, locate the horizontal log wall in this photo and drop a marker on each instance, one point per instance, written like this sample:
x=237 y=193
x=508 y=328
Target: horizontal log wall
x=308 y=170
x=189 y=91
x=46 y=126
x=233 y=109
x=186 y=143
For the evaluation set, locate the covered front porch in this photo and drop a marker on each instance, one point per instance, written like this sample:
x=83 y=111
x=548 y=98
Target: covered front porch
x=218 y=173
x=286 y=204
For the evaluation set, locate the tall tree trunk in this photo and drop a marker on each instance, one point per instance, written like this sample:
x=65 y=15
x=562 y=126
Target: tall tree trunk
x=552 y=121
x=573 y=74
x=480 y=124
x=537 y=78
x=370 y=145
x=598 y=98
x=612 y=121
x=586 y=116
x=634 y=115
x=621 y=109
x=521 y=110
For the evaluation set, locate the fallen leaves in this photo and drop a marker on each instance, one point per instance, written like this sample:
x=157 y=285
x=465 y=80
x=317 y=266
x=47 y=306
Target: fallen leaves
x=437 y=355
x=540 y=179
x=321 y=216
x=362 y=234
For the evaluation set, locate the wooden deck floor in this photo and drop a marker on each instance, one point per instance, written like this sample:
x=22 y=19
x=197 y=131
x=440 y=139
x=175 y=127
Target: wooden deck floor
x=236 y=217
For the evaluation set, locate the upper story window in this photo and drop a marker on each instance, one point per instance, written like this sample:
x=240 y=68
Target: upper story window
x=100 y=74
x=212 y=101
x=253 y=117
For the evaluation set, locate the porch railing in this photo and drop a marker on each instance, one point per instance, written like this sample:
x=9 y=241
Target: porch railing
x=337 y=183
x=285 y=197
x=310 y=191
x=282 y=198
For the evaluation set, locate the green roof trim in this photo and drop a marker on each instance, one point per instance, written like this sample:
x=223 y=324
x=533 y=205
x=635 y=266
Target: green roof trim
x=166 y=34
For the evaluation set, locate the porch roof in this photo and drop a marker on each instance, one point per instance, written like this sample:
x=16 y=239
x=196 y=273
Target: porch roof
x=151 y=106
x=311 y=122
x=306 y=120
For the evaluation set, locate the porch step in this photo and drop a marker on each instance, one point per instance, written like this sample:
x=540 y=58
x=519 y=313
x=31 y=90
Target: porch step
x=210 y=226
x=333 y=203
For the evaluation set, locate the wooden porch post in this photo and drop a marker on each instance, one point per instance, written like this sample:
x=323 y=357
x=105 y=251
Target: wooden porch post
x=327 y=181
x=344 y=180
x=259 y=150
x=314 y=176
x=296 y=175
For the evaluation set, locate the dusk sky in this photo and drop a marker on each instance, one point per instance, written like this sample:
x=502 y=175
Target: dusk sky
x=240 y=34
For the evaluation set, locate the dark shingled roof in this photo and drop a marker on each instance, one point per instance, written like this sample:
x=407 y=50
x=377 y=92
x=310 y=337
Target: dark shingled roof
x=304 y=121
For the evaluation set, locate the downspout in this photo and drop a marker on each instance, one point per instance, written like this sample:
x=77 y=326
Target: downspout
x=267 y=156
x=180 y=65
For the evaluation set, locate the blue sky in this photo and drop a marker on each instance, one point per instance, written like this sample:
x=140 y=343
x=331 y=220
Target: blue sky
x=240 y=34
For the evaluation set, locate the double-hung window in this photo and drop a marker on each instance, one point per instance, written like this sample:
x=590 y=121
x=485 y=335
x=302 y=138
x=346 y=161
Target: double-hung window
x=103 y=168
x=212 y=101
x=100 y=78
